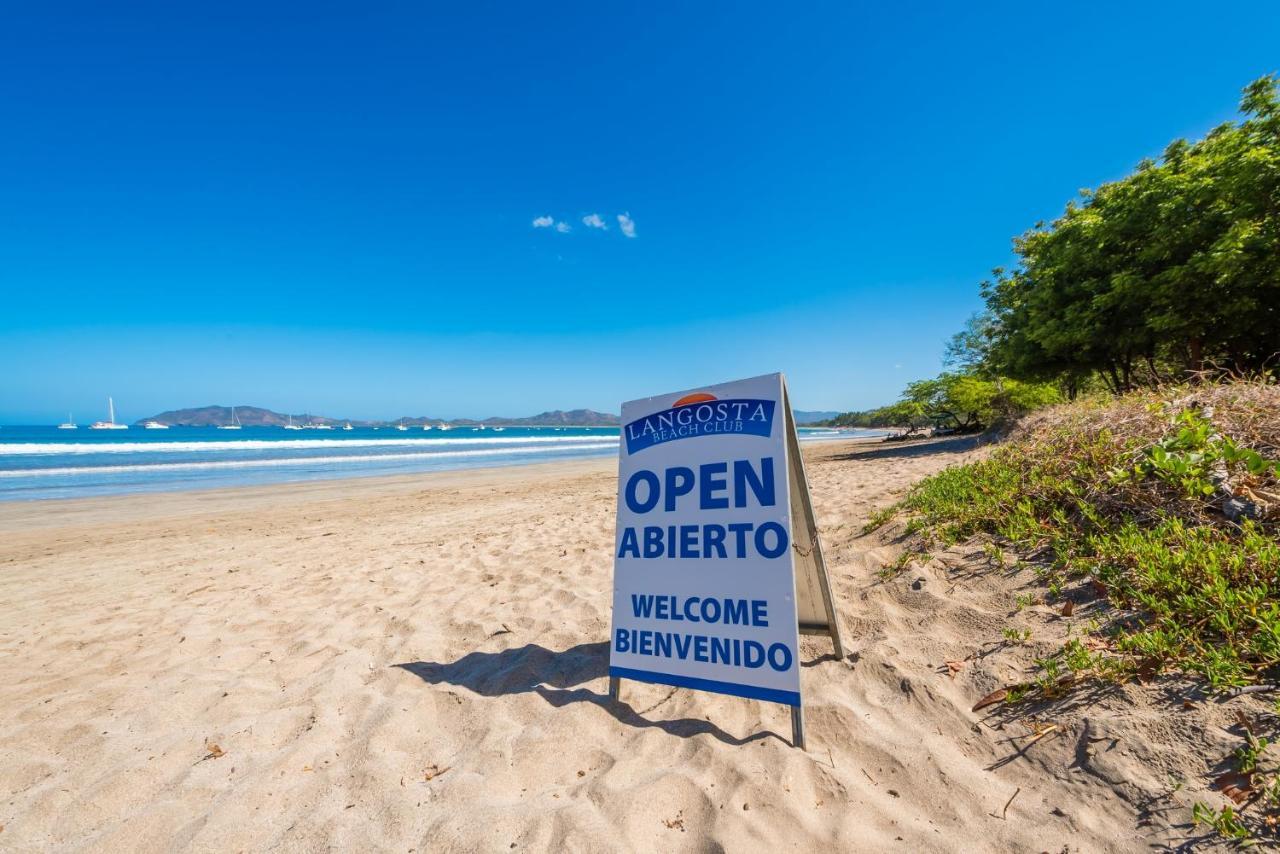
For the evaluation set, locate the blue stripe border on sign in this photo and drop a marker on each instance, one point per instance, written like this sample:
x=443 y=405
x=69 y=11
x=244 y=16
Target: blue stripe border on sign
x=772 y=695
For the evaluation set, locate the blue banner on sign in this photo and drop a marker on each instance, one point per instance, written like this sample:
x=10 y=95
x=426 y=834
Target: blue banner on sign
x=704 y=418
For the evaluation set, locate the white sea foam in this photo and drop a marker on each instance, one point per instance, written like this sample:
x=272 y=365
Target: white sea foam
x=296 y=461
x=44 y=448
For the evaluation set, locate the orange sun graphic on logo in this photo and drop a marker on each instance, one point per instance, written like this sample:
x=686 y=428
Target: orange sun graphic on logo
x=696 y=397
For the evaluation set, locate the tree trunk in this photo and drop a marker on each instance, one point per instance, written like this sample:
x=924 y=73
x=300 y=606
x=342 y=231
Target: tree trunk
x=1114 y=386
x=1151 y=366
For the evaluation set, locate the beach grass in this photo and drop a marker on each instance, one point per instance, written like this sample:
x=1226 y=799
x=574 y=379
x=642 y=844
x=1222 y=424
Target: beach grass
x=1165 y=505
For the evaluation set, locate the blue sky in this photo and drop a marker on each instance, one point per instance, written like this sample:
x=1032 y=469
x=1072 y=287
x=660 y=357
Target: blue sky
x=331 y=208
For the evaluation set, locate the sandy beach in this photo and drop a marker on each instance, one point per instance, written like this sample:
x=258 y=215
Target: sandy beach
x=418 y=664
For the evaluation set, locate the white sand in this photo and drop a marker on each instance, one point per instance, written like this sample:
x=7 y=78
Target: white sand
x=418 y=664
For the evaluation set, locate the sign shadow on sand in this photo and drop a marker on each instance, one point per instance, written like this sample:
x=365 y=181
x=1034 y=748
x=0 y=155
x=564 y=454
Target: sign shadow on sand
x=558 y=678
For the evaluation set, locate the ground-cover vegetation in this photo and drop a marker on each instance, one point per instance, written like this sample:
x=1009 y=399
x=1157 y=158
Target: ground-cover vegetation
x=1167 y=503
x=1164 y=504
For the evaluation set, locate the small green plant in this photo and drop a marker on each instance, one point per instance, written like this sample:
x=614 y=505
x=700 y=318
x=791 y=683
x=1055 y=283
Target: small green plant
x=1017 y=694
x=880 y=518
x=1024 y=600
x=900 y=563
x=1016 y=636
x=1249 y=754
x=1225 y=822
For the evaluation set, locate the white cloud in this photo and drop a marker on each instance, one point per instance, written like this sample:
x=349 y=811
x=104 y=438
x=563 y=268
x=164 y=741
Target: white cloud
x=592 y=220
x=627 y=224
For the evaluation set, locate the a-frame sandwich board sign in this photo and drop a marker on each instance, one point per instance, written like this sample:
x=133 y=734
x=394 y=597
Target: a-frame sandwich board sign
x=717 y=563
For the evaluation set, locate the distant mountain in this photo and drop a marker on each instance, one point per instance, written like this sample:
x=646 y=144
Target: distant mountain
x=254 y=416
x=558 y=417
x=249 y=416
x=804 y=417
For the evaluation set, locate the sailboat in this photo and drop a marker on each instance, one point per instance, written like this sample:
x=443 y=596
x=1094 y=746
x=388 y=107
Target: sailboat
x=291 y=425
x=348 y=426
x=235 y=422
x=69 y=424
x=402 y=427
x=110 y=423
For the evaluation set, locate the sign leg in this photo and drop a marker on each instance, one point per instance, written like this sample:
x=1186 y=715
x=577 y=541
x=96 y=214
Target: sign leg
x=614 y=688
x=797 y=727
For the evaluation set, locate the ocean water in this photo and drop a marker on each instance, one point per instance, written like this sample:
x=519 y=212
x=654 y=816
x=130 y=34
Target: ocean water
x=45 y=462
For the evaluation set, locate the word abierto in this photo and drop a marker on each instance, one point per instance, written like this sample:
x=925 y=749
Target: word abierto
x=705 y=648
x=769 y=539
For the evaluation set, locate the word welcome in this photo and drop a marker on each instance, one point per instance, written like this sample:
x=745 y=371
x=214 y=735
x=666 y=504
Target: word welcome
x=697 y=609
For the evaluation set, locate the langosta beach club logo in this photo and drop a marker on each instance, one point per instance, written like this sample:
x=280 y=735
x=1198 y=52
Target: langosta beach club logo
x=700 y=414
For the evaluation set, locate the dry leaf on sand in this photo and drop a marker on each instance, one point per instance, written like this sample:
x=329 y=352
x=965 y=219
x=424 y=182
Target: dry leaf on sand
x=1236 y=786
x=991 y=699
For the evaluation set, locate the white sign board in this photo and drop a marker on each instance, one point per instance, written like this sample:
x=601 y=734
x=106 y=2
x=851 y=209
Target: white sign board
x=704 y=592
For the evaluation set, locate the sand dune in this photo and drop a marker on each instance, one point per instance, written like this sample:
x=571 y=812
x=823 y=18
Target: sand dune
x=419 y=664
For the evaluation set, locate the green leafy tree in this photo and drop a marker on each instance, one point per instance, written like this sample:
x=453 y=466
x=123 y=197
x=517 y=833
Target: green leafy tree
x=1175 y=268
x=968 y=402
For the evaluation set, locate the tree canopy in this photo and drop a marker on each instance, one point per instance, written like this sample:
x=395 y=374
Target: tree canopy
x=1172 y=269
x=1166 y=274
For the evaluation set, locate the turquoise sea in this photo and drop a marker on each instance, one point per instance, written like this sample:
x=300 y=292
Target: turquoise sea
x=45 y=462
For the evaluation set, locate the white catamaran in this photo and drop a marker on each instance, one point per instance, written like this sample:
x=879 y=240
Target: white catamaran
x=110 y=423
x=69 y=424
